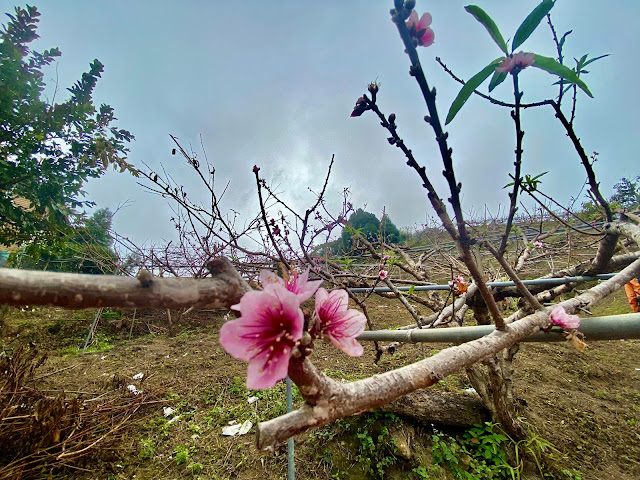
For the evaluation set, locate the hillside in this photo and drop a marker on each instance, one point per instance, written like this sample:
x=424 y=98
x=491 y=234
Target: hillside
x=587 y=405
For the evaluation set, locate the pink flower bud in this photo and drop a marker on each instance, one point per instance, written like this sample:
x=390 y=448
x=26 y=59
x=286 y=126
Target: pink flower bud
x=560 y=317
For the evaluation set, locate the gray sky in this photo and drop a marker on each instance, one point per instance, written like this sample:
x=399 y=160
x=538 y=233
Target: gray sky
x=274 y=83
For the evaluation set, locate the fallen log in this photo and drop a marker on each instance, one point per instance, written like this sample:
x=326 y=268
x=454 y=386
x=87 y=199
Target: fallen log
x=440 y=408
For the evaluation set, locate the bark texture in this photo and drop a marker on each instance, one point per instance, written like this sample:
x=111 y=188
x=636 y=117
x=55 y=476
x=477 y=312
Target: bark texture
x=72 y=290
x=440 y=408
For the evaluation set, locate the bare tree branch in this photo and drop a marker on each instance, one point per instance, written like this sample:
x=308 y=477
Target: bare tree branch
x=72 y=290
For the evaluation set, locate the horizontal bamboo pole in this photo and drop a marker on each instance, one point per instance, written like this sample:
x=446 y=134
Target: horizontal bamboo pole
x=538 y=281
x=611 y=327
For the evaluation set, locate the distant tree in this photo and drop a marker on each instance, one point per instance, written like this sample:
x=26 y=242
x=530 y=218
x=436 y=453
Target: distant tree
x=627 y=192
x=370 y=227
x=390 y=232
x=85 y=249
x=47 y=149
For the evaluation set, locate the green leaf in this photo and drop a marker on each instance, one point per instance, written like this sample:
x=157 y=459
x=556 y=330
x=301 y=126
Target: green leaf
x=564 y=38
x=531 y=23
x=551 y=65
x=581 y=61
x=488 y=23
x=469 y=87
x=411 y=289
x=497 y=79
x=594 y=59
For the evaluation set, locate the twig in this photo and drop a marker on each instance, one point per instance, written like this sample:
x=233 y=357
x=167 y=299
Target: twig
x=53 y=373
x=533 y=301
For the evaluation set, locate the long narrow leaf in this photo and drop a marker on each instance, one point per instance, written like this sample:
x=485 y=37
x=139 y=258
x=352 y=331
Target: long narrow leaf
x=488 y=23
x=552 y=66
x=594 y=59
x=469 y=87
x=531 y=23
x=497 y=79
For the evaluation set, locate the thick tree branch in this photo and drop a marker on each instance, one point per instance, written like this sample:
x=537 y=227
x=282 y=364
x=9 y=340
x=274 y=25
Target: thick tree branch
x=72 y=290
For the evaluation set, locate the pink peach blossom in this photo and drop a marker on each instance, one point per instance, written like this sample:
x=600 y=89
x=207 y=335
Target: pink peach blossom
x=420 y=30
x=336 y=321
x=383 y=274
x=521 y=60
x=297 y=283
x=560 y=317
x=459 y=286
x=270 y=324
x=538 y=244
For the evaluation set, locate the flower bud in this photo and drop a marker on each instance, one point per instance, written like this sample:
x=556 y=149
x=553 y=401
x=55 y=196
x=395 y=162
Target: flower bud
x=306 y=339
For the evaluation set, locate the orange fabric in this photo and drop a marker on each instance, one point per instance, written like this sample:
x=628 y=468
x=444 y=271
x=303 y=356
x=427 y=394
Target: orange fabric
x=632 y=289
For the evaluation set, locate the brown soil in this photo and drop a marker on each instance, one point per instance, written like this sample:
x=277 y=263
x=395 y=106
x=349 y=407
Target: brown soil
x=586 y=404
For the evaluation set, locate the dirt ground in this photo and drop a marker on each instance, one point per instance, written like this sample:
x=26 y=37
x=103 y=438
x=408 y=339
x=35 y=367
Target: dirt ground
x=586 y=404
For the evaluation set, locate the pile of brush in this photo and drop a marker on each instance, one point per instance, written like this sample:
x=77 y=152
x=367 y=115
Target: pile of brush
x=42 y=434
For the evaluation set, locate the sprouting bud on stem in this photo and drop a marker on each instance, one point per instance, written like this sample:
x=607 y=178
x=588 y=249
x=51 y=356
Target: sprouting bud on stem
x=306 y=339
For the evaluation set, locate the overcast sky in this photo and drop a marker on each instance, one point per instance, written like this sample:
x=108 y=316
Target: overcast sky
x=273 y=84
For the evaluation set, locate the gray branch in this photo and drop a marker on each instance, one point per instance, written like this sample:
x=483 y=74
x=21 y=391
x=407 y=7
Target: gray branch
x=72 y=290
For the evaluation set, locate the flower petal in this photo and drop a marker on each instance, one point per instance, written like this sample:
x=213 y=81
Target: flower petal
x=261 y=374
x=413 y=20
x=348 y=345
x=232 y=339
x=303 y=287
x=560 y=317
x=424 y=22
x=267 y=277
x=506 y=65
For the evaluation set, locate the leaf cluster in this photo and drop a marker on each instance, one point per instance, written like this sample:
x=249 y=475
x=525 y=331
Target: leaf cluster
x=527 y=27
x=48 y=150
x=85 y=248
